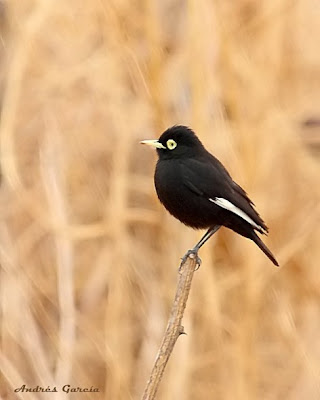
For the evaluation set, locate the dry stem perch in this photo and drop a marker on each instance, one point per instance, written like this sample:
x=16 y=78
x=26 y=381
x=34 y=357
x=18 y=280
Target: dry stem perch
x=174 y=328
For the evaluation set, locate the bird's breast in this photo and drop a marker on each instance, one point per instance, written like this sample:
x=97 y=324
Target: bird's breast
x=183 y=204
x=168 y=182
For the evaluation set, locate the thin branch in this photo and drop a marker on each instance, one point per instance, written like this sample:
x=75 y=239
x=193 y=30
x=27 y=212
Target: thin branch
x=174 y=328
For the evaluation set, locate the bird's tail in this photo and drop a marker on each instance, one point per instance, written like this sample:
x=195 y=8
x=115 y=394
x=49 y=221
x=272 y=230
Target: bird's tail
x=264 y=248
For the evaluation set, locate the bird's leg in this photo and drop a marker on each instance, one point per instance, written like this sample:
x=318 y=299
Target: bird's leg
x=206 y=237
x=196 y=248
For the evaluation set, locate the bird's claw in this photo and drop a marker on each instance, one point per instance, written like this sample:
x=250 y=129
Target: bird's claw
x=194 y=253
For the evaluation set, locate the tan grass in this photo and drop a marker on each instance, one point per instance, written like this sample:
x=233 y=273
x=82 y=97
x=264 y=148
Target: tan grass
x=88 y=256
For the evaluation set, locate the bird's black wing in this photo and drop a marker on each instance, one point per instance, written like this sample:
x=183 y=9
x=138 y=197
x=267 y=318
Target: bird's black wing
x=212 y=180
x=242 y=192
x=215 y=163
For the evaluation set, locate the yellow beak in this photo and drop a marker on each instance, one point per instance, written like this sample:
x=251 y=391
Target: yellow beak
x=153 y=143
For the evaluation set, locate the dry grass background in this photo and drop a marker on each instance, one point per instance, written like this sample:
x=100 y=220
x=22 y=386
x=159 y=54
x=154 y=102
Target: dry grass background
x=89 y=258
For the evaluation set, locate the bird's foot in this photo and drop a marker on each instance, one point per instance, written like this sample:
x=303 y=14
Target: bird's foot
x=194 y=253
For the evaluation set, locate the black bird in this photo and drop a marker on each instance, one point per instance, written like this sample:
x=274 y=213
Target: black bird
x=196 y=189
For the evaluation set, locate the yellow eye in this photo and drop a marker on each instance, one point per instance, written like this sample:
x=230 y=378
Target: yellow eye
x=171 y=144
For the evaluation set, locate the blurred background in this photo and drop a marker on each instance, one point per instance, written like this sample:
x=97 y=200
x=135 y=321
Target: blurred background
x=89 y=258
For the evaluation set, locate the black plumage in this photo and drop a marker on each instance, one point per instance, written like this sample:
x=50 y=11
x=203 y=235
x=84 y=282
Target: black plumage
x=196 y=188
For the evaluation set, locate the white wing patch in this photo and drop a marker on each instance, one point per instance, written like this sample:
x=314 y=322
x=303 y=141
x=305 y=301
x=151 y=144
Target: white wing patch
x=226 y=204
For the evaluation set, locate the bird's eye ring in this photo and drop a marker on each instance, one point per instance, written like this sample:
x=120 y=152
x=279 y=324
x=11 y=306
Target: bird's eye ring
x=171 y=144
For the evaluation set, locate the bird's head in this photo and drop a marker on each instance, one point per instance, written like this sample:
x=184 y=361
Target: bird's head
x=176 y=142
